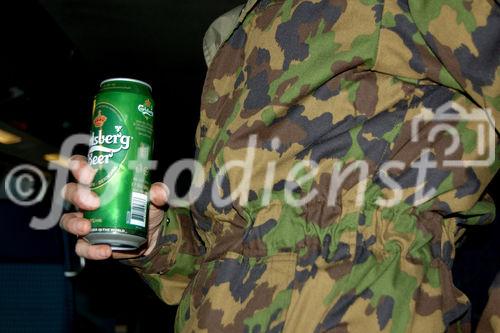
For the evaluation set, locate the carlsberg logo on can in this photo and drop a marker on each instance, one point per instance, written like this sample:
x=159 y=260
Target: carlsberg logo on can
x=108 y=141
x=146 y=109
x=96 y=144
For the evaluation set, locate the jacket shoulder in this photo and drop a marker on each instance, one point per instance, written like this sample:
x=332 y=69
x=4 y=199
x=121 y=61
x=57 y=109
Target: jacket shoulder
x=219 y=31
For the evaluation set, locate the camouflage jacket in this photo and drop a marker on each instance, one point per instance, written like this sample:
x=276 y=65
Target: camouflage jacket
x=323 y=85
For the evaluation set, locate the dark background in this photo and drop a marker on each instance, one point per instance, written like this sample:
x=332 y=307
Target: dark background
x=53 y=56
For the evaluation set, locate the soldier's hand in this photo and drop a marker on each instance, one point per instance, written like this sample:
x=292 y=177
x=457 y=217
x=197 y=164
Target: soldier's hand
x=80 y=195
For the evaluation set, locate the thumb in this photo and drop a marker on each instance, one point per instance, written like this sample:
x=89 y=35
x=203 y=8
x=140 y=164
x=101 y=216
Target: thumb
x=158 y=194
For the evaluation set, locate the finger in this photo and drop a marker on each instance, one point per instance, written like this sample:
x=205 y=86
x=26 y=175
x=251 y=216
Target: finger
x=158 y=194
x=80 y=196
x=75 y=224
x=94 y=252
x=81 y=170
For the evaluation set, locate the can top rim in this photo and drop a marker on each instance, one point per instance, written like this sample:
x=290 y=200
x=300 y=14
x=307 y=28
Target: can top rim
x=126 y=79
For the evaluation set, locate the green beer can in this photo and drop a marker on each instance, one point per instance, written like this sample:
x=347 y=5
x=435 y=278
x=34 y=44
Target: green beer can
x=120 y=150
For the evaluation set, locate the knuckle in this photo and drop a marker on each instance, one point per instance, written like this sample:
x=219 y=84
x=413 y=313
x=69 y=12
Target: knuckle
x=67 y=222
x=80 y=248
x=99 y=252
x=85 y=174
x=75 y=160
x=83 y=226
x=159 y=192
x=66 y=191
x=70 y=222
x=62 y=221
x=76 y=196
x=162 y=186
x=93 y=252
x=77 y=157
x=79 y=196
x=72 y=226
x=80 y=169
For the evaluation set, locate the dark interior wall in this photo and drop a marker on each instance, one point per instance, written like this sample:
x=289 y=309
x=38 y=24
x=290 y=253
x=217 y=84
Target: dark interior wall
x=54 y=53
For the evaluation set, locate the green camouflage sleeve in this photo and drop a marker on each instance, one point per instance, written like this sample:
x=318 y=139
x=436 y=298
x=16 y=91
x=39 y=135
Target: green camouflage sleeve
x=465 y=36
x=175 y=258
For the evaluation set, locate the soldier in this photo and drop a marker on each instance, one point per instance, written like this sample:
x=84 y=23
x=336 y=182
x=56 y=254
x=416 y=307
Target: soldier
x=333 y=83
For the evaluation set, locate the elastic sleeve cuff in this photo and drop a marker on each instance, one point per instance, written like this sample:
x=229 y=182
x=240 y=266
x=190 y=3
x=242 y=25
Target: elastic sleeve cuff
x=157 y=260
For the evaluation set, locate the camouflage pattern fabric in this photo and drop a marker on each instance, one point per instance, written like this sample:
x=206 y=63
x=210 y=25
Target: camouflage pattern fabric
x=490 y=320
x=218 y=32
x=336 y=82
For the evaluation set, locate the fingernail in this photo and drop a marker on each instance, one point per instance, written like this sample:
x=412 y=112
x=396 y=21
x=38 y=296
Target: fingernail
x=92 y=200
x=73 y=164
x=82 y=226
x=166 y=191
x=88 y=175
x=85 y=176
x=104 y=252
x=165 y=196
